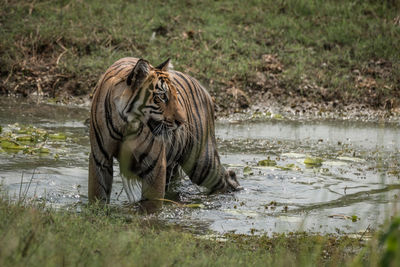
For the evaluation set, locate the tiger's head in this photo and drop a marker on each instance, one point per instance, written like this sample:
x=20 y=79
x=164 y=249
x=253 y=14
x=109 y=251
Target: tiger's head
x=151 y=98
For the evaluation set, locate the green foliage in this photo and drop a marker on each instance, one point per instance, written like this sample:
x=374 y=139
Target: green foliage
x=390 y=240
x=219 y=42
x=34 y=235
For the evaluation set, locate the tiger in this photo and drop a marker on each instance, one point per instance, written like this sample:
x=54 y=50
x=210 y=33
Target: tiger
x=155 y=121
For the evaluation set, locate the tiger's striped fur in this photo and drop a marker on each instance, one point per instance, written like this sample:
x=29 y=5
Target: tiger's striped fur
x=154 y=121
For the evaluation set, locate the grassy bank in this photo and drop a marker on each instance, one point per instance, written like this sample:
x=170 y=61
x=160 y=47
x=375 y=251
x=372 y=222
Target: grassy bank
x=36 y=236
x=321 y=51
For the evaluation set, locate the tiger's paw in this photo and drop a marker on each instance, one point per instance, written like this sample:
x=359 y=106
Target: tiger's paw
x=150 y=206
x=232 y=181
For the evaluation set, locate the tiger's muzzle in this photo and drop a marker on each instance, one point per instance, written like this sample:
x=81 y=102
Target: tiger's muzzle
x=159 y=127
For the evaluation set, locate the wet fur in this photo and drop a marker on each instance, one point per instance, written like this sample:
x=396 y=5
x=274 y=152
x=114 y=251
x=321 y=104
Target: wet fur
x=150 y=153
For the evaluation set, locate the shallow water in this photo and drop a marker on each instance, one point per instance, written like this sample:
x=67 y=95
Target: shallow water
x=358 y=179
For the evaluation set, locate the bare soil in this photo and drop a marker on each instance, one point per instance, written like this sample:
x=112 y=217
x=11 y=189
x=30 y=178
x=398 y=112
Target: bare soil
x=40 y=75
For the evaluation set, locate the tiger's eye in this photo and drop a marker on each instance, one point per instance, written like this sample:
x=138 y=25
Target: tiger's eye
x=163 y=97
x=156 y=99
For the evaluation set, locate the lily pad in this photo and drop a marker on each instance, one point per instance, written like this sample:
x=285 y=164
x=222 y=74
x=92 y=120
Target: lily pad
x=25 y=138
x=58 y=136
x=287 y=167
x=247 y=171
x=28 y=139
x=266 y=163
x=10 y=145
x=313 y=161
x=22 y=131
x=43 y=150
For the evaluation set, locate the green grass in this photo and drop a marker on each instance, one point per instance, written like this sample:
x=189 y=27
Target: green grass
x=326 y=44
x=32 y=235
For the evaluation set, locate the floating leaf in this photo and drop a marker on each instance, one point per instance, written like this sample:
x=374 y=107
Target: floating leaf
x=25 y=138
x=283 y=168
x=266 y=163
x=313 y=161
x=29 y=139
x=287 y=167
x=278 y=117
x=247 y=171
x=11 y=145
x=43 y=150
x=58 y=136
x=41 y=131
x=22 y=131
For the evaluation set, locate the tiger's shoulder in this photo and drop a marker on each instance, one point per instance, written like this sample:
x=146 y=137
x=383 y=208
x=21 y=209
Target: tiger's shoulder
x=115 y=74
x=190 y=85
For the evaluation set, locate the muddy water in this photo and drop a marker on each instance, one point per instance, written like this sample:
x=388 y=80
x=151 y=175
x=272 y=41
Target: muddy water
x=356 y=186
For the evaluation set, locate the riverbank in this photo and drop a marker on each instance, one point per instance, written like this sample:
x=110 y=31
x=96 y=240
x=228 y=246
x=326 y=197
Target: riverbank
x=306 y=56
x=262 y=111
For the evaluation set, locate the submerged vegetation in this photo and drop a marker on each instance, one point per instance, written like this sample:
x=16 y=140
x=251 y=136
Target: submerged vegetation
x=327 y=52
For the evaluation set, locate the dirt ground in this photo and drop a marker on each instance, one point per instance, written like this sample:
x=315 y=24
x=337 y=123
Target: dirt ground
x=262 y=92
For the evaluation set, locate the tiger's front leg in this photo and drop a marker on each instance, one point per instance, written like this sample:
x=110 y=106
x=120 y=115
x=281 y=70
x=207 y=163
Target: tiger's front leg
x=100 y=180
x=154 y=185
x=143 y=168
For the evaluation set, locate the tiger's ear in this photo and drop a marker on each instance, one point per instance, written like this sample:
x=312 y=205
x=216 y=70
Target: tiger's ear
x=138 y=73
x=165 y=66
